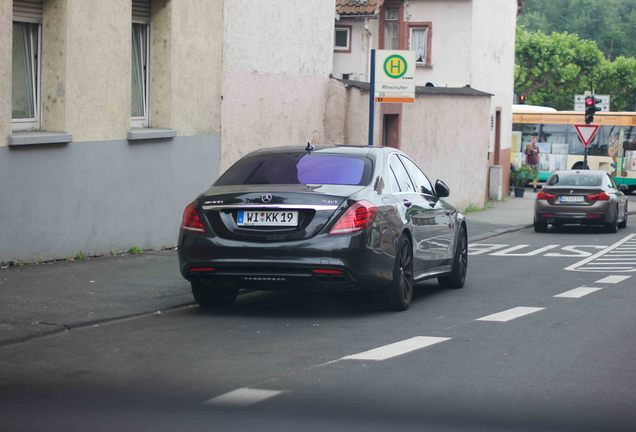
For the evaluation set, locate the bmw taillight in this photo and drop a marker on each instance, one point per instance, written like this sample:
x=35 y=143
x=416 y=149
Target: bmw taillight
x=602 y=196
x=357 y=217
x=191 y=220
x=543 y=195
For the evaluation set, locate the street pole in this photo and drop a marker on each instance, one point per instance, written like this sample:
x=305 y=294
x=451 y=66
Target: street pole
x=371 y=96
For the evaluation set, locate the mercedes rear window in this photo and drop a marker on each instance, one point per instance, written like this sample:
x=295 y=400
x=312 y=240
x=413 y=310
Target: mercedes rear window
x=298 y=168
x=574 y=180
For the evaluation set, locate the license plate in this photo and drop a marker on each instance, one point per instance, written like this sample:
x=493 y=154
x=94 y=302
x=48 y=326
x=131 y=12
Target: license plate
x=570 y=199
x=267 y=218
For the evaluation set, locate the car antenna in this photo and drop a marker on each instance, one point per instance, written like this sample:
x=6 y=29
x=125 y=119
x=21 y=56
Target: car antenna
x=309 y=147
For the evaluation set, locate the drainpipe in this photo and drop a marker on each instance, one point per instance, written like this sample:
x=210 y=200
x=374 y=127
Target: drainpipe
x=369 y=45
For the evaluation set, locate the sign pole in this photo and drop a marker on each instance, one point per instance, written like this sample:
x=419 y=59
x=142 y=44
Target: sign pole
x=371 y=96
x=585 y=159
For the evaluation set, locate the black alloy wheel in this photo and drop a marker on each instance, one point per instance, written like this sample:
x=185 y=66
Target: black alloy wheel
x=400 y=292
x=211 y=296
x=457 y=276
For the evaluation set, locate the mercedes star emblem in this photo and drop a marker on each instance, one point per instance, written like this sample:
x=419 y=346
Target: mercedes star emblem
x=266 y=198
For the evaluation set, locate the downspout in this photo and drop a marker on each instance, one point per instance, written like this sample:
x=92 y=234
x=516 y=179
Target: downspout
x=369 y=46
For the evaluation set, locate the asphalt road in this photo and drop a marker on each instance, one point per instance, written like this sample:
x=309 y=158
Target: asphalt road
x=501 y=354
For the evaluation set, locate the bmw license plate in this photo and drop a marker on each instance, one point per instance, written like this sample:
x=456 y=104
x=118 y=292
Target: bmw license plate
x=267 y=218
x=571 y=198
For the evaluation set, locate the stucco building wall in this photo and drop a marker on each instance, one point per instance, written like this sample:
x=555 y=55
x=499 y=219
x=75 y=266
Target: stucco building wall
x=356 y=63
x=102 y=192
x=448 y=137
x=452 y=22
x=445 y=145
x=274 y=94
x=493 y=58
x=5 y=71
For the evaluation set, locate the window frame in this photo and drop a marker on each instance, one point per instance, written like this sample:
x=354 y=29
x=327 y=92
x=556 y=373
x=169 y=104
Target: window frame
x=142 y=121
x=349 y=30
x=428 y=27
x=35 y=122
x=392 y=4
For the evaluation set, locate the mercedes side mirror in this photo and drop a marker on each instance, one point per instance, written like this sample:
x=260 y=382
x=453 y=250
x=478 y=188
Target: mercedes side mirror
x=441 y=189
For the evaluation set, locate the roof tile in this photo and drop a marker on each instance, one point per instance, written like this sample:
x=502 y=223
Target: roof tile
x=358 y=7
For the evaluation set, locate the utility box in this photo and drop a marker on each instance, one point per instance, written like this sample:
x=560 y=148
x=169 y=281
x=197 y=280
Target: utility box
x=495 y=183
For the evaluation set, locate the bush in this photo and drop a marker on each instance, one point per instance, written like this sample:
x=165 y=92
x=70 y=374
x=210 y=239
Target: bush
x=522 y=176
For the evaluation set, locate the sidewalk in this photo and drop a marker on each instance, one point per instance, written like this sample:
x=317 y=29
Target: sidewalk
x=43 y=299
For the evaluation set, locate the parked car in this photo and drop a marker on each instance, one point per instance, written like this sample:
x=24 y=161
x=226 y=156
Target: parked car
x=326 y=218
x=580 y=197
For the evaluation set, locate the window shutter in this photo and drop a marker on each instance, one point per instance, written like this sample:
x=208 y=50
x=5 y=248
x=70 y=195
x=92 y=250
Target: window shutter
x=141 y=11
x=27 y=11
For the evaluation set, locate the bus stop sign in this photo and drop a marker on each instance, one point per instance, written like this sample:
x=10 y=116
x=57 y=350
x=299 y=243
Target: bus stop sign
x=586 y=133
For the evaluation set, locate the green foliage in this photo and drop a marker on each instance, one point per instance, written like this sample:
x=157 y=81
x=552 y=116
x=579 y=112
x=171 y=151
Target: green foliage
x=474 y=208
x=567 y=47
x=522 y=176
x=551 y=69
x=610 y=23
x=135 y=250
x=618 y=79
x=80 y=256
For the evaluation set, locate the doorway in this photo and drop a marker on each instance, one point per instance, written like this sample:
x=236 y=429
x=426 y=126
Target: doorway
x=391 y=130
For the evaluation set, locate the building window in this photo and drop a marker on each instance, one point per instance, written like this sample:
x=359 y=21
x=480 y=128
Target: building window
x=342 y=39
x=139 y=103
x=25 y=76
x=391 y=28
x=420 y=41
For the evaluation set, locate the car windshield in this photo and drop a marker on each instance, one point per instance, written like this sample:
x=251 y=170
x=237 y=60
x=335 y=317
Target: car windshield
x=298 y=168
x=566 y=179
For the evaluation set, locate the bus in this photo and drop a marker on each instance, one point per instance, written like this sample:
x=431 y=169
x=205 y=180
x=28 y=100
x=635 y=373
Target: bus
x=613 y=149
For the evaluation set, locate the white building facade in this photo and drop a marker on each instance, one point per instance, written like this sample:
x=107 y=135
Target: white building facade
x=458 y=43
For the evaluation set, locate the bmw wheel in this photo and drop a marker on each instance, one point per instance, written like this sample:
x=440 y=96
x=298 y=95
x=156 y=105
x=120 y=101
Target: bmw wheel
x=540 y=226
x=624 y=223
x=612 y=227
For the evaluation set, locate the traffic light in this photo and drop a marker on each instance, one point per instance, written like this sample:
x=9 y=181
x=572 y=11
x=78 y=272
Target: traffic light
x=591 y=107
x=522 y=99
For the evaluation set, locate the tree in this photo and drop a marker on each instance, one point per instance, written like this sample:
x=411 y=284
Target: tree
x=618 y=79
x=551 y=69
x=608 y=22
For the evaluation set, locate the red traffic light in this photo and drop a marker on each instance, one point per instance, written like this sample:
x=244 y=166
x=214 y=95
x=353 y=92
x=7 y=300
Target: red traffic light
x=589 y=101
x=522 y=98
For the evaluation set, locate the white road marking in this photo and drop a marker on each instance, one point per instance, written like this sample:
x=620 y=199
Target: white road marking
x=578 y=292
x=571 y=251
x=482 y=248
x=243 y=397
x=576 y=250
x=612 y=279
x=613 y=251
x=510 y=314
x=506 y=252
x=396 y=349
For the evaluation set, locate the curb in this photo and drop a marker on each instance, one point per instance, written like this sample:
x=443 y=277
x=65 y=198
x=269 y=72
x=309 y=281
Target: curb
x=498 y=232
x=67 y=328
